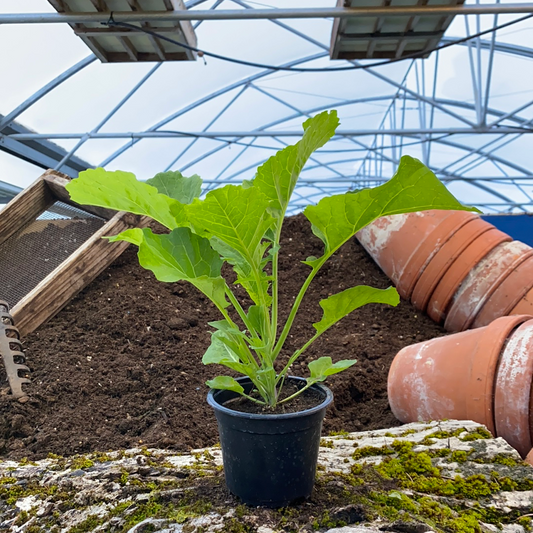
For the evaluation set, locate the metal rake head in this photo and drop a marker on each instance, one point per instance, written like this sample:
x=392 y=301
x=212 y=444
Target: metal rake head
x=12 y=354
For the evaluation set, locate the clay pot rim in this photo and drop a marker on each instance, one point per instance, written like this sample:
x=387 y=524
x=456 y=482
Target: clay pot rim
x=485 y=362
x=449 y=288
x=501 y=398
x=529 y=458
x=443 y=259
x=420 y=259
x=531 y=417
x=456 y=320
x=528 y=262
x=530 y=291
x=497 y=282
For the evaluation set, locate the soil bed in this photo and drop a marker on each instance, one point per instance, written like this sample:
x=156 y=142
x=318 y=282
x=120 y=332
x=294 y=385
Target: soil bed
x=121 y=364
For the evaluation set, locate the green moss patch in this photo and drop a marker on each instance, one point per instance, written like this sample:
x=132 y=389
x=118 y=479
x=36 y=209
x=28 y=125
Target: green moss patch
x=407 y=484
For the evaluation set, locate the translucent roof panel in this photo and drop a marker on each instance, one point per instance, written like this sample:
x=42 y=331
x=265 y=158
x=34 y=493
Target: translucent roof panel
x=466 y=111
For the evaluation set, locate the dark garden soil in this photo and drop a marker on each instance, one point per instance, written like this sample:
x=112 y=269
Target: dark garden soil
x=120 y=366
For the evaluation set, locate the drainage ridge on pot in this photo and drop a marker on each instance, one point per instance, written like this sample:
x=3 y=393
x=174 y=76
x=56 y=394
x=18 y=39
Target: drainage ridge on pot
x=427 y=249
x=453 y=278
x=403 y=244
x=508 y=293
x=269 y=459
x=444 y=258
x=481 y=282
x=525 y=305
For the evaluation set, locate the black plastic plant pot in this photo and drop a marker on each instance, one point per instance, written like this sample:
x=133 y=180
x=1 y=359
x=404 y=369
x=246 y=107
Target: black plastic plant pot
x=269 y=460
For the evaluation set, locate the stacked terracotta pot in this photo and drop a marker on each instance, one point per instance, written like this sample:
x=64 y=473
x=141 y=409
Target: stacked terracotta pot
x=453 y=265
x=529 y=458
x=485 y=375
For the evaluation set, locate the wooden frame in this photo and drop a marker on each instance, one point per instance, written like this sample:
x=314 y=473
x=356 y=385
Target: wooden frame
x=80 y=268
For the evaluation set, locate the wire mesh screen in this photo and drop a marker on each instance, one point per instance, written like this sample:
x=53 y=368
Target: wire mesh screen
x=37 y=249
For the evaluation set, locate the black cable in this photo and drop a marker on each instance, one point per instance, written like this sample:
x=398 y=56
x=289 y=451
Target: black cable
x=415 y=55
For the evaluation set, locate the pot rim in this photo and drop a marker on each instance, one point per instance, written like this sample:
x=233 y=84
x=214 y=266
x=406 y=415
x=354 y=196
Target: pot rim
x=211 y=400
x=442 y=296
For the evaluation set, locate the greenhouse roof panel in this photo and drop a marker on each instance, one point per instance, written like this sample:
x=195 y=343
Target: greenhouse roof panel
x=391 y=36
x=120 y=44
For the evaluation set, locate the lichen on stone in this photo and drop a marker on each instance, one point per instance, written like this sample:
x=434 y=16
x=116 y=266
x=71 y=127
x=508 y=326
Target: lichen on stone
x=443 y=476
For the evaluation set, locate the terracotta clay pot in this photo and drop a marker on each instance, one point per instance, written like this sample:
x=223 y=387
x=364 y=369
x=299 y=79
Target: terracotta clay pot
x=481 y=282
x=524 y=306
x=457 y=272
x=529 y=458
x=450 y=377
x=508 y=293
x=444 y=258
x=513 y=389
x=402 y=245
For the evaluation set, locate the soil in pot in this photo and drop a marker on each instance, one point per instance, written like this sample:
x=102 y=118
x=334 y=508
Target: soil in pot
x=306 y=400
x=120 y=366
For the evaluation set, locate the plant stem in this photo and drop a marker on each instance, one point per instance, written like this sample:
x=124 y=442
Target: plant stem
x=297 y=354
x=253 y=399
x=257 y=275
x=297 y=393
x=240 y=312
x=281 y=384
x=247 y=352
x=295 y=306
x=275 y=288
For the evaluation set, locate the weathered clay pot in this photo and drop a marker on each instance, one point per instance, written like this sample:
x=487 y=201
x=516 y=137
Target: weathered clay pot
x=508 y=293
x=529 y=458
x=524 y=306
x=450 y=377
x=513 y=390
x=444 y=258
x=481 y=282
x=459 y=269
x=402 y=245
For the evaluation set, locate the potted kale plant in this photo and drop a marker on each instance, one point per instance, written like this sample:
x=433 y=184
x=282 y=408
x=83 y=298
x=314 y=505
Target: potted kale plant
x=269 y=422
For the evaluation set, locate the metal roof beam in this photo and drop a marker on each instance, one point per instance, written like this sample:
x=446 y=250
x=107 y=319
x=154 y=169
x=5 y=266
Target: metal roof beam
x=221 y=135
x=39 y=152
x=333 y=181
x=266 y=14
x=203 y=100
x=7 y=192
x=507 y=48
